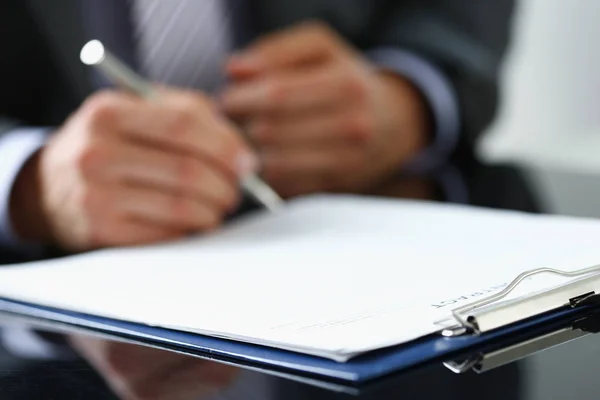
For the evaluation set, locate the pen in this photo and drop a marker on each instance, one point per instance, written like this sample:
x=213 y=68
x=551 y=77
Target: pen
x=94 y=54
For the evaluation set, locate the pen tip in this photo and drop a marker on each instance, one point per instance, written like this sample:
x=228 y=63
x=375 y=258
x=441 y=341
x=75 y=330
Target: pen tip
x=92 y=53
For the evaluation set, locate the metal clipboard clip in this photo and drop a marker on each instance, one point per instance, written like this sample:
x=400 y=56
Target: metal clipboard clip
x=488 y=314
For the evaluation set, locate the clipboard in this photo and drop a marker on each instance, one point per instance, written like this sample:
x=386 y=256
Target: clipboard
x=484 y=335
x=487 y=315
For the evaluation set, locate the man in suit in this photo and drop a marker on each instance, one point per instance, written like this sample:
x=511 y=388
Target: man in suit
x=373 y=89
x=317 y=95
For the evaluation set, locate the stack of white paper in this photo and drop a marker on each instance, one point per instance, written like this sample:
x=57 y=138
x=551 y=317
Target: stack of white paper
x=333 y=276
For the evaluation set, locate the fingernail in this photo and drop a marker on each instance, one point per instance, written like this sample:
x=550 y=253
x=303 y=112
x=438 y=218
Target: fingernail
x=247 y=164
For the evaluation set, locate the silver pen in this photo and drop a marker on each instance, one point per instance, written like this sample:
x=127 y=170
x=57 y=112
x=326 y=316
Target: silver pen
x=94 y=54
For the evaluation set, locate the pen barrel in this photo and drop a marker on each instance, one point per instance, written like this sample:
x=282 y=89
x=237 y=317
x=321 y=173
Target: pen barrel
x=125 y=77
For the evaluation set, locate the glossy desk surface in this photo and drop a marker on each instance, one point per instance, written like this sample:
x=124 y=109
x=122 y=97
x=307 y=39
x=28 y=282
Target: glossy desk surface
x=568 y=371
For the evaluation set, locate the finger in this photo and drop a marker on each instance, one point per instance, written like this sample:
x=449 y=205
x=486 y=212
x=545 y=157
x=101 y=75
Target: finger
x=182 y=121
x=208 y=134
x=317 y=128
x=298 y=45
x=173 y=172
x=114 y=112
x=296 y=91
x=164 y=210
x=326 y=163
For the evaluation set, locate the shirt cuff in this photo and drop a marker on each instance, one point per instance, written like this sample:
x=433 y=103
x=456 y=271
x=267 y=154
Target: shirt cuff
x=16 y=147
x=442 y=100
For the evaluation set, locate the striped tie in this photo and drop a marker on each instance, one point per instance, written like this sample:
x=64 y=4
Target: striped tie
x=182 y=43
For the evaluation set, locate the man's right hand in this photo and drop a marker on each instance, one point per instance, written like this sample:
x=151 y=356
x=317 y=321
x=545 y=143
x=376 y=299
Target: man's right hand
x=124 y=171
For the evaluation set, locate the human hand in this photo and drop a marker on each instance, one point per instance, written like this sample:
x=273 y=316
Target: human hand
x=142 y=373
x=123 y=171
x=322 y=117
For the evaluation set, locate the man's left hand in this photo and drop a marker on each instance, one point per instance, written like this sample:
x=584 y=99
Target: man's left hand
x=321 y=116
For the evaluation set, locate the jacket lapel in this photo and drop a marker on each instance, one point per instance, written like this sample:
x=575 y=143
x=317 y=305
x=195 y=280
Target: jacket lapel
x=61 y=24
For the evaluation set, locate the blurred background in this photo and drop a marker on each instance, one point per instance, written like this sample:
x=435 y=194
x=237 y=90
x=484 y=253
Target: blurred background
x=549 y=121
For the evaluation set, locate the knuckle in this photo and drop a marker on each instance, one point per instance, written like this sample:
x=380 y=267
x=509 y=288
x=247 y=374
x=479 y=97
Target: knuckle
x=318 y=28
x=264 y=43
x=89 y=158
x=268 y=45
x=183 y=123
x=356 y=88
x=101 y=108
x=189 y=171
x=181 y=209
x=184 y=116
x=187 y=111
x=192 y=102
x=228 y=150
x=361 y=127
x=276 y=94
x=323 y=33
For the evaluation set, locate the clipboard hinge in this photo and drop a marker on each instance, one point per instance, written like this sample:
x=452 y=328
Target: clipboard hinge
x=590 y=323
x=485 y=361
x=590 y=299
x=583 y=292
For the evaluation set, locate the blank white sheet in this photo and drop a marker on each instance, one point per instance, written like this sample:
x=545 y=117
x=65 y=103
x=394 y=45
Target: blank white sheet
x=332 y=276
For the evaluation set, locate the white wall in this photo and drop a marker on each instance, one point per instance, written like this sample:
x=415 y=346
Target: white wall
x=550 y=115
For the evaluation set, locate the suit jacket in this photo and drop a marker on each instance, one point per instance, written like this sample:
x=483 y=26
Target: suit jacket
x=43 y=81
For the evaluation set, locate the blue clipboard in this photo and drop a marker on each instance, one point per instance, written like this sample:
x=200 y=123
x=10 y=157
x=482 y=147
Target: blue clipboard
x=483 y=338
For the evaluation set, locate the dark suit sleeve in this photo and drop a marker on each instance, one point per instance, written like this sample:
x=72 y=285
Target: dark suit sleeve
x=30 y=101
x=466 y=39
